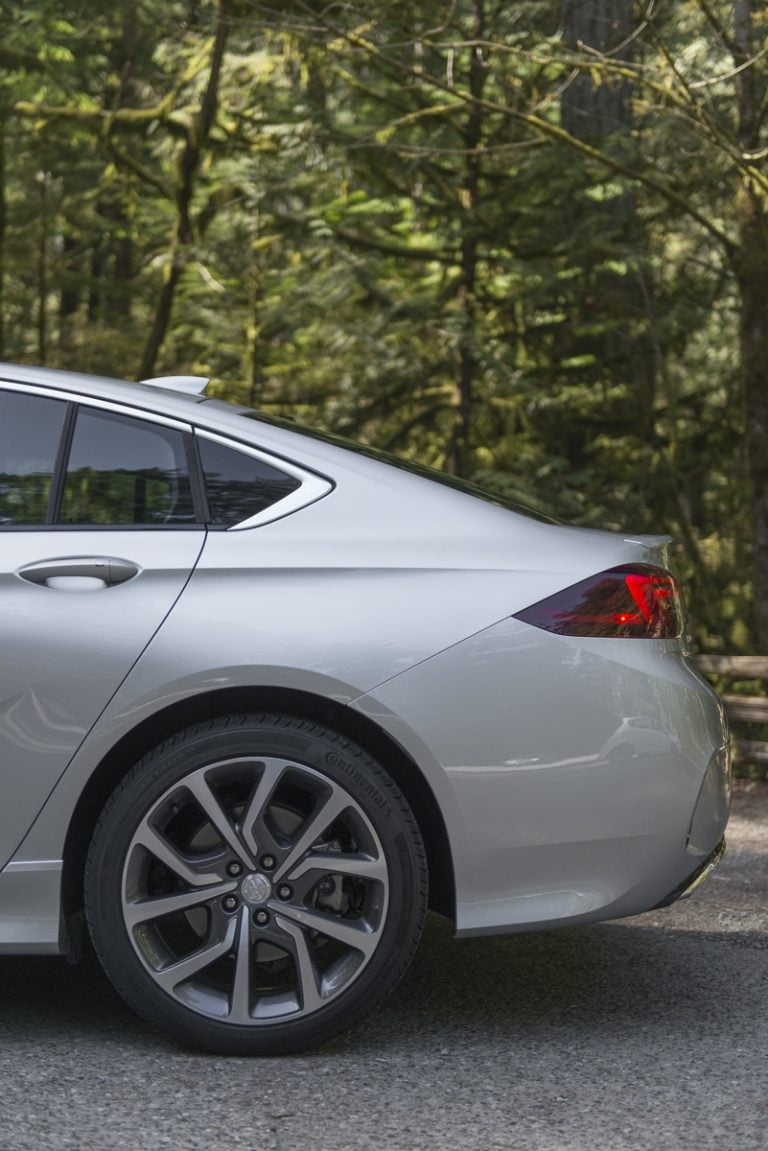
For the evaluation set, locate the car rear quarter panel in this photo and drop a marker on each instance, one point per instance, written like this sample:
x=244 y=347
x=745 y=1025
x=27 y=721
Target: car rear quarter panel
x=575 y=768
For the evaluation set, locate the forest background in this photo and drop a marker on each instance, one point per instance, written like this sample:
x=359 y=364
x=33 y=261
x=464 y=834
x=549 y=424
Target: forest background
x=524 y=242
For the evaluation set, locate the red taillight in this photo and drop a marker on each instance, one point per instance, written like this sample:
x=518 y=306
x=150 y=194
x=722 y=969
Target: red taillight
x=638 y=602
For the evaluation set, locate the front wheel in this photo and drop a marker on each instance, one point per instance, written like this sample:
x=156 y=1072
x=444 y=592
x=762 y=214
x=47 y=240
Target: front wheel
x=256 y=885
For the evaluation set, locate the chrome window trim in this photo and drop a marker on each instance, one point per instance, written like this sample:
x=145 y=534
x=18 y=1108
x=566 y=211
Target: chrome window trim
x=313 y=487
x=115 y=407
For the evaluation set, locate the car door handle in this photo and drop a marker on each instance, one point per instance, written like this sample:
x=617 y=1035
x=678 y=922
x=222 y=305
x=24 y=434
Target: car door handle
x=80 y=572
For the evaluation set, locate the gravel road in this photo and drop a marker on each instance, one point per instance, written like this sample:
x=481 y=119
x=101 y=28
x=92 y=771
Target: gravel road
x=645 y=1033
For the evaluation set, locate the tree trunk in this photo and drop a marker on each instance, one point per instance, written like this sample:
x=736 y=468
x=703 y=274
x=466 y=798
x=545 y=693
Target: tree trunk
x=189 y=161
x=600 y=113
x=69 y=299
x=752 y=272
x=3 y=226
x=589 y=110
x=127 y=95
x=752 y=276
x=254 y=369
x=42 y=272
x=458 y=460
x=110 y=298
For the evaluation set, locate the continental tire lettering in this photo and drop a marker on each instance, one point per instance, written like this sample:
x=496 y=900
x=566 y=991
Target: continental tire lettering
x=363 y=781
x=372 y=791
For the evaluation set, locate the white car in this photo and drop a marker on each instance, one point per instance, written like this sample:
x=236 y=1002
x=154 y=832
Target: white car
x=265 y=697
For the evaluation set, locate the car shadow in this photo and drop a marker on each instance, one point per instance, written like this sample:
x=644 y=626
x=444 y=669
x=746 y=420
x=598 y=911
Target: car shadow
x=555 y=985
x=561 y=985
x=44 y=999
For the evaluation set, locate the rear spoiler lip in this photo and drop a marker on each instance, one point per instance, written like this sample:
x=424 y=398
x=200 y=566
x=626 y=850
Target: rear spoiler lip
x=657 y=549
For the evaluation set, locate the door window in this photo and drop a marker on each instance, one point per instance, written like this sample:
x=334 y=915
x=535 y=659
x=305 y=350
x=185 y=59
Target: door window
x=30 y=432
x=125 y=472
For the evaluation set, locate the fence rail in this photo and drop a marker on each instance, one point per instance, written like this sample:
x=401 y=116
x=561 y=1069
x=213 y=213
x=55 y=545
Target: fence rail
x=741 y=708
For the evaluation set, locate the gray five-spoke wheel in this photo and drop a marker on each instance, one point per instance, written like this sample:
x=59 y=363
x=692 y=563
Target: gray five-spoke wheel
x=256 y=884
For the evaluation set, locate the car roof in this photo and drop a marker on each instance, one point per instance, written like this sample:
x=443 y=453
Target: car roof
x=151 y=397
x=364 y=483
x=100 y=387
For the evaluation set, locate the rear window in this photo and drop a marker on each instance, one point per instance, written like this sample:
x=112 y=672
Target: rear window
x=239 y=485
x=512 y=504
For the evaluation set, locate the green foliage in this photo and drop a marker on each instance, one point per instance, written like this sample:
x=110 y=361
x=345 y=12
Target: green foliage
x=387 y=237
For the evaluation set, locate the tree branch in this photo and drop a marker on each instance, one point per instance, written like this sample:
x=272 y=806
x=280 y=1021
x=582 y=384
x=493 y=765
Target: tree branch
x=406 y=251
x=556 y=133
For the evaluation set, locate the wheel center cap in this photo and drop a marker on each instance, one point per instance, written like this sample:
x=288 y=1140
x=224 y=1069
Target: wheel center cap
x=256 y=888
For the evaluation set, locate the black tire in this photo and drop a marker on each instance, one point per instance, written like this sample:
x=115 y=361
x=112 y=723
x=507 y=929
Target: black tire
x=256 y=885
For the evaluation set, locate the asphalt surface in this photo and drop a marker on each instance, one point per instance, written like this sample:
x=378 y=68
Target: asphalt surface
x=648 y=1033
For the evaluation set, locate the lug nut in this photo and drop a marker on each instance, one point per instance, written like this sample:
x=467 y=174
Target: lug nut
x=268 y=862
x=234 y=868
x=229 y=903
x=284 y=891
x=261 y=918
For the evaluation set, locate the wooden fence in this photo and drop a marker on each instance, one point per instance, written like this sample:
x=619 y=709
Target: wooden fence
x=741 y=709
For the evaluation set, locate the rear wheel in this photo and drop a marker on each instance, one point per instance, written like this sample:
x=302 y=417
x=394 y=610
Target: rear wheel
x=256 y=885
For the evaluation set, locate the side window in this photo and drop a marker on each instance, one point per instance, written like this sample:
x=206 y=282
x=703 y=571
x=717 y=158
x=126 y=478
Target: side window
x=240 y=485
x=30 y=431
x=125 y=472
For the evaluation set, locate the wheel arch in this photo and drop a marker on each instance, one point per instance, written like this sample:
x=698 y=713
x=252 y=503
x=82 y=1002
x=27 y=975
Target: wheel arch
x=226 y=701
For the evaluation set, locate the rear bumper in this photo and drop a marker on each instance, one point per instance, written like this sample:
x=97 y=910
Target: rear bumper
x=713 y=805
x=696 y=878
